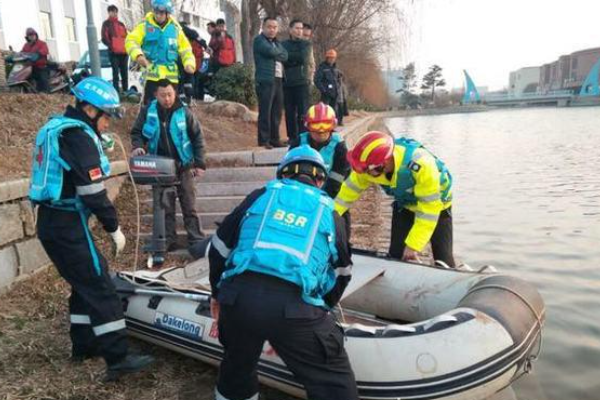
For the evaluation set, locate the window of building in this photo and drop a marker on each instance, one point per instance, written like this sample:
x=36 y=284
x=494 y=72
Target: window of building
x=71 y=30
x=46 y=26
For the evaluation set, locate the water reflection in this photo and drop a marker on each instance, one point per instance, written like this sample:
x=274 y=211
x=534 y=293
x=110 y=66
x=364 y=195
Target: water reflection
x=527 y=199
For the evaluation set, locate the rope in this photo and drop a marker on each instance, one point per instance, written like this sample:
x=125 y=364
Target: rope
x=528 y=365
x=137 y=204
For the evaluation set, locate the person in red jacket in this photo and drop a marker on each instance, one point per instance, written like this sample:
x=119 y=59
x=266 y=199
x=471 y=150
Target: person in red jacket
x=40 y=65
x=223 y=47
x=114 y=33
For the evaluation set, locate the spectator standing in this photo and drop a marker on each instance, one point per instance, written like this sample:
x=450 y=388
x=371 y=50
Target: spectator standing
x=329 y=81
x=269 y=56
x=295 y=86
x=223 y=47
x=114 y=33
x=40 y=62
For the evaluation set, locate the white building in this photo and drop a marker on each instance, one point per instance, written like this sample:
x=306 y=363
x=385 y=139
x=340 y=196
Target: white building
x=524 y=80
x=62 y=23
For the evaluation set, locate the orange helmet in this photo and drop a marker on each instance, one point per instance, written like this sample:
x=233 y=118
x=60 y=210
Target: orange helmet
x=372 y=151
x=331 y=53
x=320 y=118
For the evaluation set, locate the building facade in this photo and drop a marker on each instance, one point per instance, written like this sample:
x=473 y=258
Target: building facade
x=524 y=80
x=569 y=71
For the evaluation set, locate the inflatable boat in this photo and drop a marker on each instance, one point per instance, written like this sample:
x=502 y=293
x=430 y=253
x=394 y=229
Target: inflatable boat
x=412 y=331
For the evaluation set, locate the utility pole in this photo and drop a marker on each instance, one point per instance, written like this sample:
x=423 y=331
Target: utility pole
x=92 y=36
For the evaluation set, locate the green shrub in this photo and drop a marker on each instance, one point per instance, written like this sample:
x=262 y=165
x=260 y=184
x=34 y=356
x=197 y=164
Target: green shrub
x=235 y=83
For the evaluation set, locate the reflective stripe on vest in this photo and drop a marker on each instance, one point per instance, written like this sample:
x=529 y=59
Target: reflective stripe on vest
x=289 y=233
x=327 y=152
x=160 y=45
x=404 y=191
x=177 y=129
x=48 y=167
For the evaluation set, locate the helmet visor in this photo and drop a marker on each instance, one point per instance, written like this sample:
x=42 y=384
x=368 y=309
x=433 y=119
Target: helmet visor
x=320 y=126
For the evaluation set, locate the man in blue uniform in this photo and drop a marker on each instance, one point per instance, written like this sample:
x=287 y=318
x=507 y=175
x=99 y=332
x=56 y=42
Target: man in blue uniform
x=278 y=263
x=68 y=170
x=168 y=128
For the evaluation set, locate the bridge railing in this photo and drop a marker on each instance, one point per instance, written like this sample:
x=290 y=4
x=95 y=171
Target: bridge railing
x=528 y=96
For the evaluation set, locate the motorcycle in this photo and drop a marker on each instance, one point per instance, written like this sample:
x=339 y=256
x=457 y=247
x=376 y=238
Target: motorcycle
x=20 y=78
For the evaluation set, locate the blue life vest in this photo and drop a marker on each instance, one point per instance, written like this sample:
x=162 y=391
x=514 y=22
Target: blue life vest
x=160 y=45
x=289 y=233
x=403 y=193
x=47 y=168
x=327 y=152
x=177 y=130
x=47 y=174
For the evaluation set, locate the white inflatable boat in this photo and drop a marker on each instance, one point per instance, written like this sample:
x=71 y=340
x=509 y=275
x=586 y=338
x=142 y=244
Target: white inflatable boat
x=412 y=331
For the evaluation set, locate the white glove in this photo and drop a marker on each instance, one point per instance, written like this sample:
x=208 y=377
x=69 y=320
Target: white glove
x=137 y=152
x=119 y=241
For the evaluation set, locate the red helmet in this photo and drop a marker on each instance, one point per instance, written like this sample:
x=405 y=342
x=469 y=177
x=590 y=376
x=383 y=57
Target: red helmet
x=373 y=150
x=320 y=118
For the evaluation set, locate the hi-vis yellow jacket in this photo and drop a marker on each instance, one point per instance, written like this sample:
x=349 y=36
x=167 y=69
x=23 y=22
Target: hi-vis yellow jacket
x=431 y=196
x=161 y=46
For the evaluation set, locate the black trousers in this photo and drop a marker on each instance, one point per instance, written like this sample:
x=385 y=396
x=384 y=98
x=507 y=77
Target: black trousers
x=120 y=65
x=256 y=308
x=96 y=312
x=270 y=103
x=296 y=105
x=441 y=240
x=186 y=192
x=41 y=76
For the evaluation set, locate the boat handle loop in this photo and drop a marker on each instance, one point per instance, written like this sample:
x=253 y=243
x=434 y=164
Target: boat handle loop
x=528 y=364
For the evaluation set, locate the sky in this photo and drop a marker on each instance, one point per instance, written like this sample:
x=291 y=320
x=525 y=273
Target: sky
x=490 y=38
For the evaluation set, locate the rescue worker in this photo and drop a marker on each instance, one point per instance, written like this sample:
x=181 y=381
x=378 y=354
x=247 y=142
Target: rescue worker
x=39 y=49
x=167 y=128
x=68 y=170
x=320 y=122
x=156 y=44
x=278 y=263
x=420 y=184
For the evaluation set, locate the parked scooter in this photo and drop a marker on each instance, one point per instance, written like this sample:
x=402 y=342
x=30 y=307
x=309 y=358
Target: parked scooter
x=20 y=78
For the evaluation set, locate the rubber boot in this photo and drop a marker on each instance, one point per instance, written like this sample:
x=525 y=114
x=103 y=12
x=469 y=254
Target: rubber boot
x=130 y=364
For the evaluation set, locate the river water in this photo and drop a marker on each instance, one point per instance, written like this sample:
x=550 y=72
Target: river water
x=527 y=200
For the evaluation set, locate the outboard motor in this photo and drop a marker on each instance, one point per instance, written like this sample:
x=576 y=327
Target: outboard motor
x=160 y=173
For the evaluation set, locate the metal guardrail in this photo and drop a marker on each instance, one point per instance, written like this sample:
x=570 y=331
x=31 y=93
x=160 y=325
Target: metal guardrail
x=554 y=94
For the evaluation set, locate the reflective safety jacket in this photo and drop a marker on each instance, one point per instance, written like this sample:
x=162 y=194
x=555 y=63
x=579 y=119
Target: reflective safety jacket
x=327 y=152
x=177 y=129
x=420 y=183
x=47 y=171
x=162 y=46
x=289 y=233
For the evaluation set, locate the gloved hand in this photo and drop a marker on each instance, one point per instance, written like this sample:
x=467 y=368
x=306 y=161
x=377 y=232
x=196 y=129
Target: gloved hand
x=119 y=241
x=137 y=152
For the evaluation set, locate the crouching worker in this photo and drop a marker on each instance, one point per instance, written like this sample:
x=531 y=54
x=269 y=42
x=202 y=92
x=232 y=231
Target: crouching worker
x=278 y=263
x=320 y=121
x=420 y=184
x=167 y=128
x=68 y=170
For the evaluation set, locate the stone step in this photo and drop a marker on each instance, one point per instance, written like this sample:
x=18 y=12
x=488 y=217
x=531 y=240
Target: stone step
x=213 y=204
x=243 y=174
x=181 y=235
x=208 y=220
x=221 y=189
